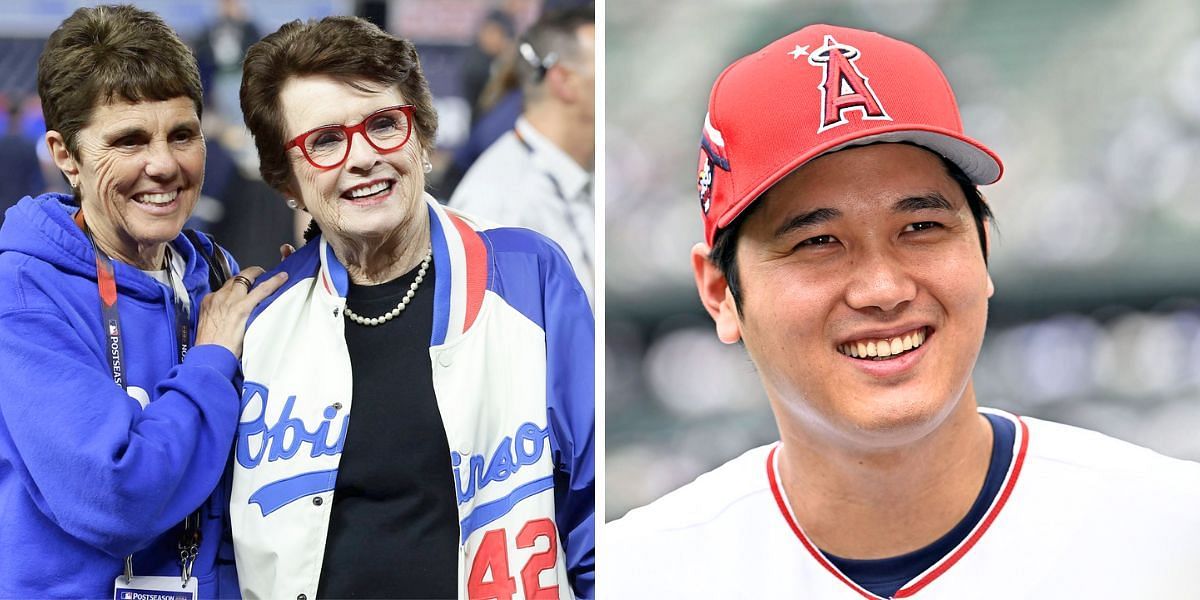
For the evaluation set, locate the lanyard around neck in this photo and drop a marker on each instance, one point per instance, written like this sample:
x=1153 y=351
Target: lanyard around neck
x=106 y=281
x=189 y=537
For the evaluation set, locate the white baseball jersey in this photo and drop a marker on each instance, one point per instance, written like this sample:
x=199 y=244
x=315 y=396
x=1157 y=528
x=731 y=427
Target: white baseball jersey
x=1079 y=515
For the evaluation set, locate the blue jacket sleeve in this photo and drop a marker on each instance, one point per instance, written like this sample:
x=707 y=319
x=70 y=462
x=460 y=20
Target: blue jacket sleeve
x=105 y=470
x=571 y=397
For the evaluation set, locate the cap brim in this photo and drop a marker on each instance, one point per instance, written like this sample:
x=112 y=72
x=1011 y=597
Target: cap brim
x=980 y=164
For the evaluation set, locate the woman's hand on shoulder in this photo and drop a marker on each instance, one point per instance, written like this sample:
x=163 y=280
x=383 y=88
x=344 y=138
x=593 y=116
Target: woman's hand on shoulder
x=223 y=313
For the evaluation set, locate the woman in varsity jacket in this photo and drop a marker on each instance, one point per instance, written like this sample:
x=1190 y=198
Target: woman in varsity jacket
x=418 y=408
x=118 y=401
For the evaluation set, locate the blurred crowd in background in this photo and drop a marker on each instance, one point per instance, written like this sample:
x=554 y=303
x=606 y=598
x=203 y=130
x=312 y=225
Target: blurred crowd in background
x=467 y=50
x=1094 y=107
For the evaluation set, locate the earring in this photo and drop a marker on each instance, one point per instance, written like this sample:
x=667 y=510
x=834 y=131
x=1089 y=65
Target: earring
x=292 y=204
x=428 y=166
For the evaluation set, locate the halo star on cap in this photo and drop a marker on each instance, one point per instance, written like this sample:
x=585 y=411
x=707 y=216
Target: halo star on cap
x=819 y=90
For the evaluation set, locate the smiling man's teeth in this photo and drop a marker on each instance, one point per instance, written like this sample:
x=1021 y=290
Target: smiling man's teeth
x=156 y=198
x=371 y=189
x=884 y=348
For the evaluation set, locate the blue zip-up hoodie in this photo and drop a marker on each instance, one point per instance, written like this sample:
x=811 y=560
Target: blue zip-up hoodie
x=87 y=475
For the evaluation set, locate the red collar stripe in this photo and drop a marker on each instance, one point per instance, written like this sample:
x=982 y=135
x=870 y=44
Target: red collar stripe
x=787 y=516
x=476 y=268
x=913 y=587
x=1018 y=462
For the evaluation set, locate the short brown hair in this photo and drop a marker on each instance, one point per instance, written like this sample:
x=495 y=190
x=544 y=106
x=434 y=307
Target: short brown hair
x=107 y=53
x=348 y=49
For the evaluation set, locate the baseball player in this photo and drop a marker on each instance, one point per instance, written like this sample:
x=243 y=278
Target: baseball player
x=846 y=247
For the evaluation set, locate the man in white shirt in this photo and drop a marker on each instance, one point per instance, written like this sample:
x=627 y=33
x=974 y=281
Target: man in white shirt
x=846 y=248
x=539 y=175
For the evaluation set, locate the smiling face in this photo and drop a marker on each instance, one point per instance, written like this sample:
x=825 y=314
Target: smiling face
x=139 y=168
x=373 y=194
x=864 y=296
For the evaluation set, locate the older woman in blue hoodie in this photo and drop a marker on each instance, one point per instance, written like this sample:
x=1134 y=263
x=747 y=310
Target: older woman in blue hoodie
x=118 y=367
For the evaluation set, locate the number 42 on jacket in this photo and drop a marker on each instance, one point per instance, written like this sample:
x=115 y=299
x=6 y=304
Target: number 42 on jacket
x=491 y=563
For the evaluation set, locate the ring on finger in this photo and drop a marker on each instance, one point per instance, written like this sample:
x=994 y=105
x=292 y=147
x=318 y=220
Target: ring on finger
x=242 y=279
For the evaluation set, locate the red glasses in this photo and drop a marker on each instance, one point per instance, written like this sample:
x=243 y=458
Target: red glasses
x=327 y=147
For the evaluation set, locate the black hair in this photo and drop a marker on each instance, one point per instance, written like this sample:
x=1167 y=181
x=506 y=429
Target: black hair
x=724 y=249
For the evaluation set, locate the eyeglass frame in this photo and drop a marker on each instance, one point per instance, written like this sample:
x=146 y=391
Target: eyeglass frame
x=350 y=130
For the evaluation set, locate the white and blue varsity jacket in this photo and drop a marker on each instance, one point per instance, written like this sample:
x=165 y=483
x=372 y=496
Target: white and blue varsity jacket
x=512 y=351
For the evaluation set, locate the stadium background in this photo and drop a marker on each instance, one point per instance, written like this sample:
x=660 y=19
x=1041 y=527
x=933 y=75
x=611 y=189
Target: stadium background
x=1094 y=107
x=245 y=215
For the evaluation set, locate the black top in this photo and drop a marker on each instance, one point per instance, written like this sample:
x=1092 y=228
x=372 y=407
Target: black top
x=885 y=576
x=393 y=531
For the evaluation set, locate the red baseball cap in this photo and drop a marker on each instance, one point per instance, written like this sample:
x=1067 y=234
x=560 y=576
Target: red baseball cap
x=820 y=90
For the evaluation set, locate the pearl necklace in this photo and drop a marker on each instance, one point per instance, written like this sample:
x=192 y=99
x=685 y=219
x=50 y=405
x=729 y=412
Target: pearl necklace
x=395 y=312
